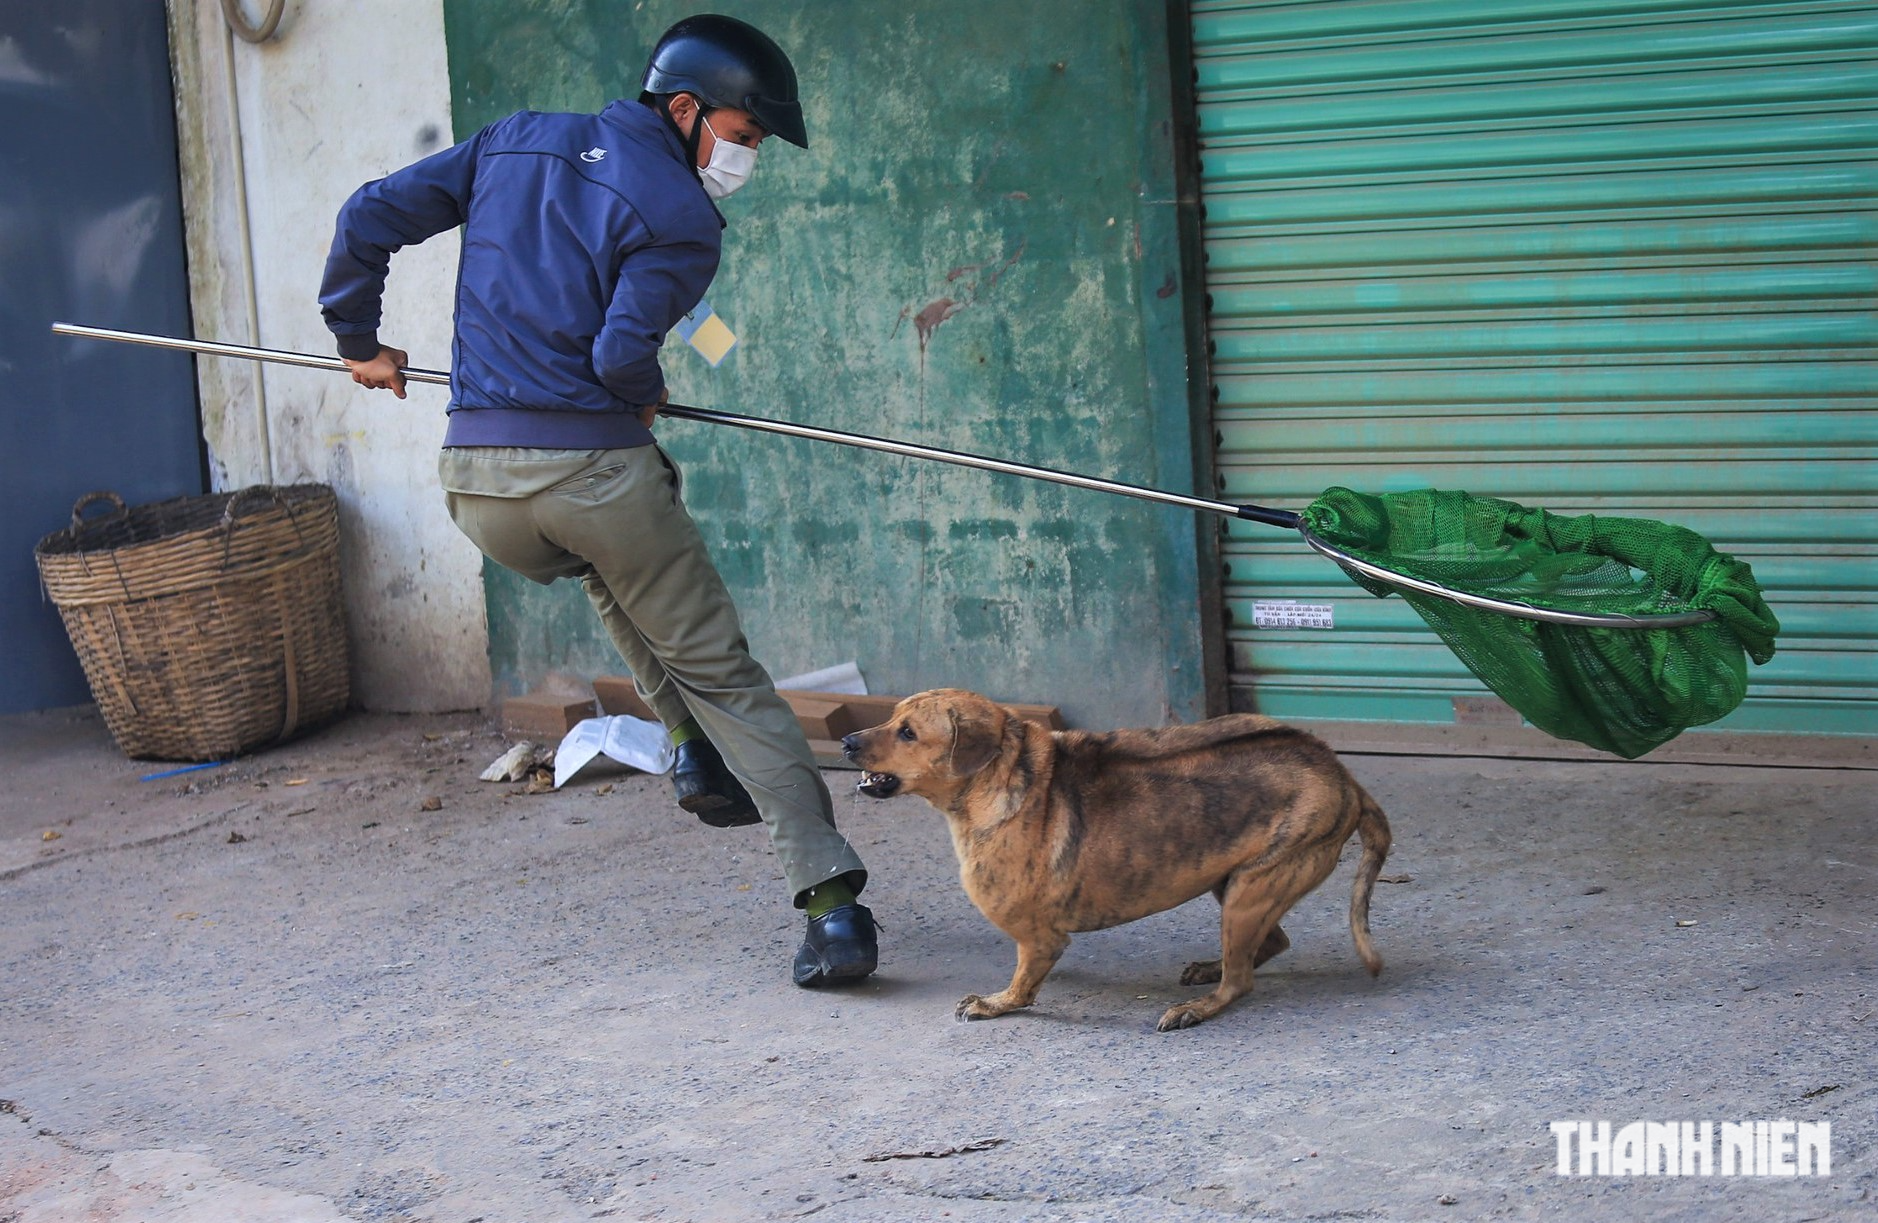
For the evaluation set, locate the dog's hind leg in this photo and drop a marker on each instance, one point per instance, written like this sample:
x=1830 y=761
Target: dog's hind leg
x=1243 y=926
x=1036 y=956
x=1206 y=972
x=1249 y=912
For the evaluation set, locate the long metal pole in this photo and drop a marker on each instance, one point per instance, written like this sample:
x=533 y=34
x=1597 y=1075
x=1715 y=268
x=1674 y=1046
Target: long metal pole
x=210 y=348
x=961 y=459
x=1255 y=513
x=714 y=417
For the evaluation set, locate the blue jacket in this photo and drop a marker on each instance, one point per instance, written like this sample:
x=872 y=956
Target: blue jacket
x=585 y=239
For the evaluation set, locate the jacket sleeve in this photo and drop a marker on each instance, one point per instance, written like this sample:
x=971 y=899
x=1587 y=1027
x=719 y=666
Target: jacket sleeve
x=657 y=285
x=401 y=209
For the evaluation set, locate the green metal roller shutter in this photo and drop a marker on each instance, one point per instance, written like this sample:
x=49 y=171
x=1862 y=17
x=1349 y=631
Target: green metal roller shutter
x=1610 y=256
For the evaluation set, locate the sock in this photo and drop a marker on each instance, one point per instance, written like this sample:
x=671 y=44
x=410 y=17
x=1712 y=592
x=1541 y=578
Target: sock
x=823 y=897
x=686 y=731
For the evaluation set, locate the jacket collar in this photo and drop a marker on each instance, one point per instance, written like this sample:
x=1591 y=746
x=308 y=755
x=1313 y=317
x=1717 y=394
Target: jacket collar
x=645 y=126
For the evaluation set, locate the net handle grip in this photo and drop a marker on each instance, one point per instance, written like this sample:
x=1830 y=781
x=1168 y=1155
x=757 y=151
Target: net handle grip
x=1270 y=517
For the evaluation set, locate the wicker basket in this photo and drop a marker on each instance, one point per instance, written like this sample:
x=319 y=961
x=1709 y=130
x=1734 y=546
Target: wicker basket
x=206 y=625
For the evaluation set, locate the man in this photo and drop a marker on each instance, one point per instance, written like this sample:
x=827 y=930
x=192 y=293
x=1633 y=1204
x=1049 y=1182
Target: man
x=586 y=238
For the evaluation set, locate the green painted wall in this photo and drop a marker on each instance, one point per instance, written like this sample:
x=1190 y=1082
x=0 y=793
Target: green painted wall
x=979 y=251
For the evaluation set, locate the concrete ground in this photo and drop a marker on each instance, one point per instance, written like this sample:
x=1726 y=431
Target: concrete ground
x=282 y=990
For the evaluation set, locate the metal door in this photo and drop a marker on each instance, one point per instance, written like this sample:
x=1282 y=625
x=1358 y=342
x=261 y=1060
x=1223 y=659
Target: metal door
x=1595 y=256
x=91 y=231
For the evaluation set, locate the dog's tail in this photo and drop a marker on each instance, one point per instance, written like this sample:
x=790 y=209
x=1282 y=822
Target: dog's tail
x=1373 y=828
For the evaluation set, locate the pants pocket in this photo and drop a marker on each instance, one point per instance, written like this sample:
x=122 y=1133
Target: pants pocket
x=589 y=485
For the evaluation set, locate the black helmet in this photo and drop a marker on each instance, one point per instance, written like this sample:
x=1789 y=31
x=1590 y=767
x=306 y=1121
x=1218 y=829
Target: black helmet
x=726 y=62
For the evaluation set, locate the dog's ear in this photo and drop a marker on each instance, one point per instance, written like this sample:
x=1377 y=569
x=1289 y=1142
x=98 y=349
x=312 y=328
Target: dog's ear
x=976 y=740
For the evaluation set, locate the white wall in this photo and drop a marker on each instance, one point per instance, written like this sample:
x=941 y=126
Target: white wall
x=343 y=93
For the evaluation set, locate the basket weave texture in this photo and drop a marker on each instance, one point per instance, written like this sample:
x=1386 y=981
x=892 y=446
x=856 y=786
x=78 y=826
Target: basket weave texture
x=207 y=625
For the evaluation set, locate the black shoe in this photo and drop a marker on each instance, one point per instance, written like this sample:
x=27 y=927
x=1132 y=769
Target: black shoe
x=707 y=788
x=839 y=947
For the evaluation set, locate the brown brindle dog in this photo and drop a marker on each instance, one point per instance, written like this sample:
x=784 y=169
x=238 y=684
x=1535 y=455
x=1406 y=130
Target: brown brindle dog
x=1062 y=831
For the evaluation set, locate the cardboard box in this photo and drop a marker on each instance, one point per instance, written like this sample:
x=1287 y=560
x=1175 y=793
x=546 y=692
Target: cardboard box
x=618 y=695
x=823 y=715
x=543 y=717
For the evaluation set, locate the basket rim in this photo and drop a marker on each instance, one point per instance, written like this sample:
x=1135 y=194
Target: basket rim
x=66 y=542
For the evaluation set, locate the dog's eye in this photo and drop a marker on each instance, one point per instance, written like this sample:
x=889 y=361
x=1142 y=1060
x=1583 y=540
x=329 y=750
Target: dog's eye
x=906 y=732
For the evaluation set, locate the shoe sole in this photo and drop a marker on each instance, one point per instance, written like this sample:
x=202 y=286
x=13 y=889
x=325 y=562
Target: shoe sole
x=855 y=963
x=718 y=811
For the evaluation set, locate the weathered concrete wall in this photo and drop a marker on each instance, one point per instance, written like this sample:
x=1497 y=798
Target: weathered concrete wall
x=342 y=94
x=979 y=251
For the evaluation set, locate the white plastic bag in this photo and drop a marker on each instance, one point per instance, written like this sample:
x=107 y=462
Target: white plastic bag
x=631 y=741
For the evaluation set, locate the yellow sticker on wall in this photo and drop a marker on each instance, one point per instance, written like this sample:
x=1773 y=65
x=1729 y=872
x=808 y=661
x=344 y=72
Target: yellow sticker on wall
x=705 y=331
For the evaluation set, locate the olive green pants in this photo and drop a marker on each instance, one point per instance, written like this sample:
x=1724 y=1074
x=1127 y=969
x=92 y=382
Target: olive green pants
x=613 y=520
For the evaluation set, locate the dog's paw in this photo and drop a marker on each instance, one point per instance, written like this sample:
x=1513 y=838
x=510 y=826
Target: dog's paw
x=1200 y=972
x=975 y=1006
x=1185 y=1015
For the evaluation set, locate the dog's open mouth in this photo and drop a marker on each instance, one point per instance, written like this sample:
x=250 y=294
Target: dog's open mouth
x=878 y=785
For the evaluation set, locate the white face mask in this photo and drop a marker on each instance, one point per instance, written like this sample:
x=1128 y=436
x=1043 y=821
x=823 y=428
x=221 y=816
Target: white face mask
x=730 y=165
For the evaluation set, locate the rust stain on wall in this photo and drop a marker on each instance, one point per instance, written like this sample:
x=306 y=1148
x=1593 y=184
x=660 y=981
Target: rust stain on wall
x=927 y=321
x=937 y=311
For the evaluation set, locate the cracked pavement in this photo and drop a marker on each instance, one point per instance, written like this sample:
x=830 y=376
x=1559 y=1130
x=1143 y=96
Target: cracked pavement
x=280 y=990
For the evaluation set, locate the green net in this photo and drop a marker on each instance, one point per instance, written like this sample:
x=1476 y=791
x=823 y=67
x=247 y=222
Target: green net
x=1622 y=690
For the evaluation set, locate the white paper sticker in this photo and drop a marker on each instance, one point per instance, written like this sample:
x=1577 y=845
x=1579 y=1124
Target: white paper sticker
x=1289 y=613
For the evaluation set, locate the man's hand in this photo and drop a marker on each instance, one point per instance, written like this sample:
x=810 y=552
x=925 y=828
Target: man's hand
x=650 y=412
x=385 y=372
